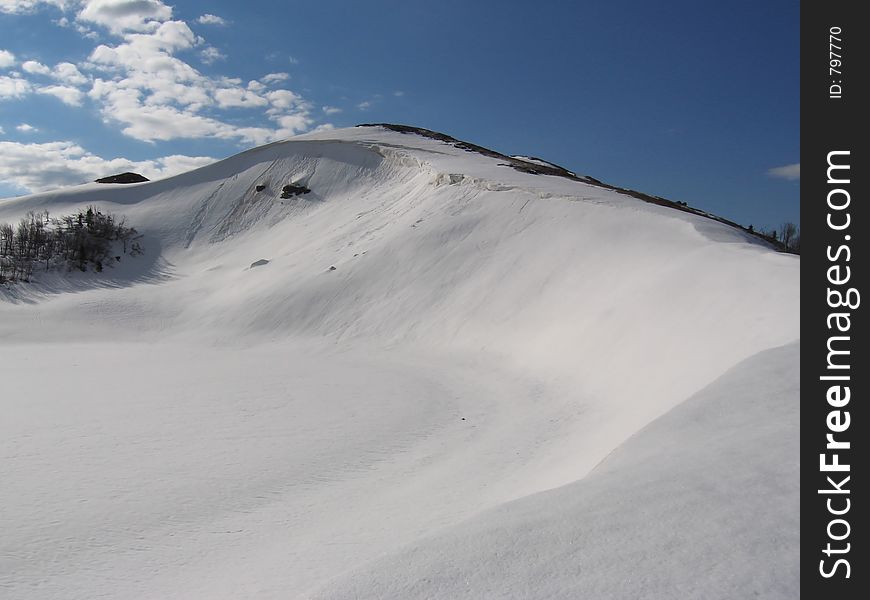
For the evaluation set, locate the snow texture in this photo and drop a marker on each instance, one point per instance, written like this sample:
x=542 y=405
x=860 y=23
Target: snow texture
x=510 y=386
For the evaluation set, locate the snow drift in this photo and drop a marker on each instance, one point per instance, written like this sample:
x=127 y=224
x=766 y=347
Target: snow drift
x=284 y=394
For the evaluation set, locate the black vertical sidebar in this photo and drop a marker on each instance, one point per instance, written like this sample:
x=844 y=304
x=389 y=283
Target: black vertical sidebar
x=835 y=225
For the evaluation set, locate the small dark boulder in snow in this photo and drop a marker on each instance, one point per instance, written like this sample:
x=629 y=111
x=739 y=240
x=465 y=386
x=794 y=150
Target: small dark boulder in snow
x=261 y=187
x=332 y=268
x=123 y=178
x=259 y=263
x=293 y=189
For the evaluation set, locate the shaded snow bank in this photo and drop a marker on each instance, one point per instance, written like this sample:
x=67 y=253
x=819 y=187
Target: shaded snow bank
x=703 y=503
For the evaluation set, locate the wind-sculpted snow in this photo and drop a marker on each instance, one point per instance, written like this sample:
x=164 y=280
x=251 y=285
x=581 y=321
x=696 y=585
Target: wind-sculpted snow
x=702 y=503
x=288 y=388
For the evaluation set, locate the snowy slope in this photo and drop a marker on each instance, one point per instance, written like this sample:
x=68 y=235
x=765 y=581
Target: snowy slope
x=195 y=426
x=687 y=508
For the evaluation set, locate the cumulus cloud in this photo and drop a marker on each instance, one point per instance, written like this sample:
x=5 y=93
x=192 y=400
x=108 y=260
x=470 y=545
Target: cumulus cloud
x=143 y=86
x=120 y=16
x=154 y=121
x=64 y=72
x=26 y=128
x=239 y=98
x=14 y=7
x=284 y=100
x=790 y=172
x=331 y=110
x=274 y=78
x=365 y=105
x=35 y=67
x=292 y=124
x=82 y=30
x=208 y=19
x=40 y=167
x=7 y=59
x=13 y=87
x=157 y=96
x=66 y=94
x=210 y=55
x=68 y=73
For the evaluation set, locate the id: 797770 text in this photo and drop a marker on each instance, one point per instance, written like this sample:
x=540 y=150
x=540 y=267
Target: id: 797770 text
x=835 y=62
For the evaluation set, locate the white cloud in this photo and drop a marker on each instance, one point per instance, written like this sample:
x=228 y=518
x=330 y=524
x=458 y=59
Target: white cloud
x=26 y=128
x=790 y=172
x=144 y=68
x=284 y=100
x=141 y=85
x=35 y=67
x=157 y=96
x=210 y=55
x=68 y=95
x=149 y=54
x=84 y=31
x=40 y=167
x=2 y=131
x=208 y=19
x=155 y=121
x=331 y=110
x=147 y=121
x=292 y=125
x=274 y=78
x=120 y=16
x=175 y=164
x=64 y=72
x=169 y=37
x=68 y=73
x=398 y=93
x=27 y=6
x=7 y=59
x=13 y=87
x=364 y=105
x=239 y=98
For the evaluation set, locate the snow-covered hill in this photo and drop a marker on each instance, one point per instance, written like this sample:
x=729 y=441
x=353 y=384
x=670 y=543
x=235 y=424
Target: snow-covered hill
x=391 y=385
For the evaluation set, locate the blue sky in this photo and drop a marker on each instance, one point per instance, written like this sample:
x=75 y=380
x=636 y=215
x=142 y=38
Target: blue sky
x=692 y=100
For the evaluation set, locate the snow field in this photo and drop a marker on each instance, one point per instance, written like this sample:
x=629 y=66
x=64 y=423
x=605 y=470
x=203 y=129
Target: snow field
x=190 y=426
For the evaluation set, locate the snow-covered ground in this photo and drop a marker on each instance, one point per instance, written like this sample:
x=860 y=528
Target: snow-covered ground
x=229 y=416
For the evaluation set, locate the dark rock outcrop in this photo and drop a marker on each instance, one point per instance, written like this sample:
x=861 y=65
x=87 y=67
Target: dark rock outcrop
x=292 y=189
x=123 y=178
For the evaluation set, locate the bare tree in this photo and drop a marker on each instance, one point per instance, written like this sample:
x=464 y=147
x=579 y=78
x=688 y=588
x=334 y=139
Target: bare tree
x=72 y=241
x=787 y=233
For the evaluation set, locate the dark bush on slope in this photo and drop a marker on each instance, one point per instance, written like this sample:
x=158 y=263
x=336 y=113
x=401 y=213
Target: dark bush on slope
x=77 y=241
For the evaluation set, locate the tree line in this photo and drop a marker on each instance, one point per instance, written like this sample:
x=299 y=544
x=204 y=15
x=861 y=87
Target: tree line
x=85 y=238
x=787 y=237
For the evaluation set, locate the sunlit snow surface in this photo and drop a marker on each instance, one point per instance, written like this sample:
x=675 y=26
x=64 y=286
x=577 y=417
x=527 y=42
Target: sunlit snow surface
x=508 y=386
